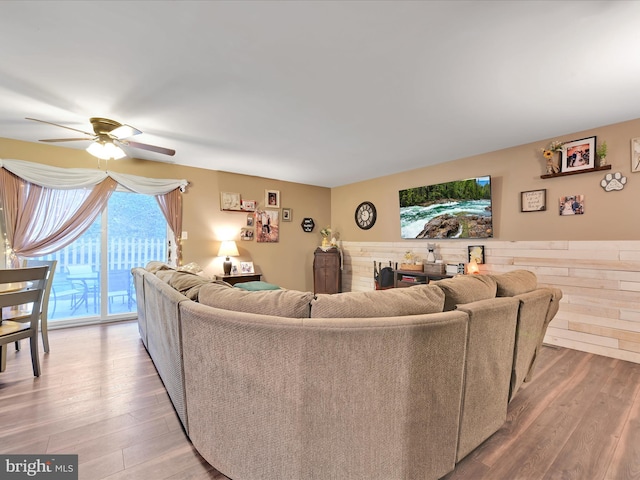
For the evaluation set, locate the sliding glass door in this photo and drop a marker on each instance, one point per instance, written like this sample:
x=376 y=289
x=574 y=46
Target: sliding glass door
x=93 y=275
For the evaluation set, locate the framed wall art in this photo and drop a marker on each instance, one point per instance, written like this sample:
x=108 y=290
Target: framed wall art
x=230 y=201
x=572 y=205
x=635 y=154
x=578 y=155
x=249 y=205
x=246 y=234
x=286 y=214
x=476 y=253
x=251 y=220
x=267 y=228
x=272 y=198
x=533 y=200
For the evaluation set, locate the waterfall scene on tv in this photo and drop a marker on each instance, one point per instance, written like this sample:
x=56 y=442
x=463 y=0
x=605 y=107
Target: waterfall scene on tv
x=459 y=209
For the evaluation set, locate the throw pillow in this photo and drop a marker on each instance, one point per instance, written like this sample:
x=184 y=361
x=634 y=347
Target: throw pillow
x=256 y=286
x=394 y=302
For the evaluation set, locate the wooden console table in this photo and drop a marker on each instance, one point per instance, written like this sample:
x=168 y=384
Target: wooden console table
x=408 y=278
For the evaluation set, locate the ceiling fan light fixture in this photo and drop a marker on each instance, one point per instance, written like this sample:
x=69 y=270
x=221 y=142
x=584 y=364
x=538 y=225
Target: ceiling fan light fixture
x=106 y=151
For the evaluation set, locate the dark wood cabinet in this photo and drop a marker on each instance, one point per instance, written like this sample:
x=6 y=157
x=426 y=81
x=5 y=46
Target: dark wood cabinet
x=327 y=271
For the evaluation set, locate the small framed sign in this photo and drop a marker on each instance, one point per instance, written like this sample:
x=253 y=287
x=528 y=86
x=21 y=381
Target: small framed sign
x=533 y=201
x=307 y=224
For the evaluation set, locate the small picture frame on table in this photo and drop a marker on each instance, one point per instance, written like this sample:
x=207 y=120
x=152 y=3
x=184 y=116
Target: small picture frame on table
x=578 y=155
x=533 y=200
x=246 y=267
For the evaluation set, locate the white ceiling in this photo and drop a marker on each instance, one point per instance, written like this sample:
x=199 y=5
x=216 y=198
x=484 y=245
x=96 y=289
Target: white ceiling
x=320 y=92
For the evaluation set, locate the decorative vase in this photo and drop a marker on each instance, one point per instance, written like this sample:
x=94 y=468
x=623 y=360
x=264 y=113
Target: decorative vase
x=602 y=161
x=325 y=242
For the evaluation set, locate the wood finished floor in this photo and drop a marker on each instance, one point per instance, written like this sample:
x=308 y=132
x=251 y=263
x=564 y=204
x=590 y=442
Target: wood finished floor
x=100 y=397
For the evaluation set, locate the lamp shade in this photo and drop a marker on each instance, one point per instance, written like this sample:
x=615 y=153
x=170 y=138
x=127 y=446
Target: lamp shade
x=228 y=249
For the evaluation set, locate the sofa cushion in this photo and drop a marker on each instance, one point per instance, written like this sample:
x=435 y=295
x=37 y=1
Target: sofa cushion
x=415 y=300
x=280 y=303
x=155 y=266
x=515 y=283
x=256 y=286
x=188 y=283
x=466 y=289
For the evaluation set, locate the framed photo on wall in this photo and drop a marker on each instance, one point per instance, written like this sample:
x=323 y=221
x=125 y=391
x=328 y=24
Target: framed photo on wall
x=578 y=155
x=286 y=214
x=272 y=199
x=572 y=205
x=249 y=205
x=476 y=253
x=246 y=234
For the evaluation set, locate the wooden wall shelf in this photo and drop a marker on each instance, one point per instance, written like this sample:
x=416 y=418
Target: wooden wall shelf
x=564 y=174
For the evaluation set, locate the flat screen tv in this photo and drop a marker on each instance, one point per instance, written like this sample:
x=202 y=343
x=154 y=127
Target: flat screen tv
x=459 y=209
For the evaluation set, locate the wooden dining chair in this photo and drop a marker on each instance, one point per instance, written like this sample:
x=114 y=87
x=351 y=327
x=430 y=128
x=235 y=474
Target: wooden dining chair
x=21 y=293
x=44 y=315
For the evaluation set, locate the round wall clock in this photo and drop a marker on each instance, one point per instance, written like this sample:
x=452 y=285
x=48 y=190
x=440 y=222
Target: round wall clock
x=366 y=215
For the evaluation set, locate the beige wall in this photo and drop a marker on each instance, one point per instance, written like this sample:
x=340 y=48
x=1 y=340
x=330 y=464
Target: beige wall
x=287 y=263
x=608 y=215
x=593 y=258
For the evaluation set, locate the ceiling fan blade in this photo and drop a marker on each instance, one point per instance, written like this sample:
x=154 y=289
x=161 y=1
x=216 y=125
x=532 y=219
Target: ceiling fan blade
x=53 y=140
x=152 y=148
x=58 y=125
x=124 y=131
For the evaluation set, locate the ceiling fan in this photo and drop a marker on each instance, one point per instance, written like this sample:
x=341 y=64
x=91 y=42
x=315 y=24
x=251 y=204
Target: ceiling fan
x=107 y=138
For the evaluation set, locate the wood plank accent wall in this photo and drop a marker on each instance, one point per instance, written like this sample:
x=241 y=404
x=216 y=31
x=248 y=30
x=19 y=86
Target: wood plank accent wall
x=600 y=281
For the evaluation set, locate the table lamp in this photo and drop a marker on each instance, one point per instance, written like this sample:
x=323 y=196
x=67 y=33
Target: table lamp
x=228 y=249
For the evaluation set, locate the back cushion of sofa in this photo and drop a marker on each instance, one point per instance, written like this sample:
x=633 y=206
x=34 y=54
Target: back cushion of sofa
x=394 y=302
x=188 y=283
x=515 y=283
x=280 y=303
x=466 y=289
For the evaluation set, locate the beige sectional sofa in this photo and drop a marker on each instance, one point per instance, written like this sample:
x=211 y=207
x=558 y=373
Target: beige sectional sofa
x=388 y=384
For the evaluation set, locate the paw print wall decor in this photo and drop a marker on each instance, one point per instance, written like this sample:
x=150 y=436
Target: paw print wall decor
x=613 y=182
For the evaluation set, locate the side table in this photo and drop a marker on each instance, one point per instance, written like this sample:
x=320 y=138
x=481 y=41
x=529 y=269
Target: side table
x=242 y=277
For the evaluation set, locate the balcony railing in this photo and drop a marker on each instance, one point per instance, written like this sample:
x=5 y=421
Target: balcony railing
x=74 y=296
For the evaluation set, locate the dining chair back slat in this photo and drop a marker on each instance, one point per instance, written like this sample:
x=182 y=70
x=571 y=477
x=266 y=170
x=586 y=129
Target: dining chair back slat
x=44 y=314
x=21 y=297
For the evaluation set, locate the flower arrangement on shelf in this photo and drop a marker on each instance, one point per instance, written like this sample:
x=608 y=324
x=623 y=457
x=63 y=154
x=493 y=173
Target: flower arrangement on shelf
x=326 y=233
x=547 y=153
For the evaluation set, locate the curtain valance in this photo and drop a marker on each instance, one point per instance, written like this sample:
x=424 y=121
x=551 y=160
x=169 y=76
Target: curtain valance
x=74 y=178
